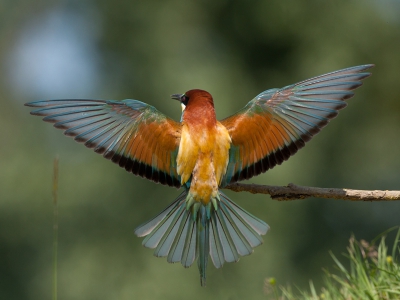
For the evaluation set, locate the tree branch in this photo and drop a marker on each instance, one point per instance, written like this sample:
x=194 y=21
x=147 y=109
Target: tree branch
x=296 y=192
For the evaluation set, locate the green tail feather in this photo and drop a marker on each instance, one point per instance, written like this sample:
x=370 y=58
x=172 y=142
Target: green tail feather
x=187 y=230
x=203 y=242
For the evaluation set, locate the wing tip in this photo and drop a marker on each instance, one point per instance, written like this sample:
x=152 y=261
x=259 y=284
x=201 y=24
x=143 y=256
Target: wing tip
x=367 y=66
x=39 y=103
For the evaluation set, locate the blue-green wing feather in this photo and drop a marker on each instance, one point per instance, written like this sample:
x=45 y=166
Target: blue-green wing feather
x=132 y=134
x=278 y=122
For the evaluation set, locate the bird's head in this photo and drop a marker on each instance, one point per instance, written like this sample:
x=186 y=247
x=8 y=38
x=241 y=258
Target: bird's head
x=194 y=98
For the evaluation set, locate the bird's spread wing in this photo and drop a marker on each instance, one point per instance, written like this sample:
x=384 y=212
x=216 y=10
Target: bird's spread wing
x=130 y=133
x=278 y=122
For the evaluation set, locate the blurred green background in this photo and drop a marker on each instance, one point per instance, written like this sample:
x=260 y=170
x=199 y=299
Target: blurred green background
x=147 y=50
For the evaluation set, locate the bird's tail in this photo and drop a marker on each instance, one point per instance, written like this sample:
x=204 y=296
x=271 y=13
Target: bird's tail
x=187 y=230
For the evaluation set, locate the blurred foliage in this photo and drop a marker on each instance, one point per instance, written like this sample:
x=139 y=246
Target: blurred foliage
x=148 y=50
x=373 y=274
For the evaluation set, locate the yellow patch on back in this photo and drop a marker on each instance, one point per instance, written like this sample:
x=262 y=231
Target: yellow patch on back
x=221 y=151
x=187 y=155
x=203 y=154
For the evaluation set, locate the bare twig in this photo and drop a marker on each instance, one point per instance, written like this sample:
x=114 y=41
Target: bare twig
x=296 y=192
x=55 y=226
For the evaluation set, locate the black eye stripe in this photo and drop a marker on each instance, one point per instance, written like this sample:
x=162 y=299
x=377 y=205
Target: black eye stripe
x=185 y=99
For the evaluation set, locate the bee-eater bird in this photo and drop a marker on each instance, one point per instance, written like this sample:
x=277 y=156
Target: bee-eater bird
x=202 y=155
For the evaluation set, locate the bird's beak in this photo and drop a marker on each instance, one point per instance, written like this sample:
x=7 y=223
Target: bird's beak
x=177 y=97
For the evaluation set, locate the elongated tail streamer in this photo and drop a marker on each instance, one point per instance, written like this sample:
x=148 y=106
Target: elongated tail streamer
x=185 y=231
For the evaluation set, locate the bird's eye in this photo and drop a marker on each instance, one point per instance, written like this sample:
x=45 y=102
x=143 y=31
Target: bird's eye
x=184 y=99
